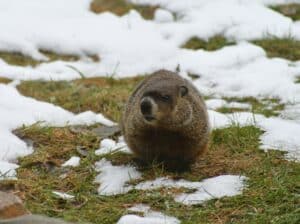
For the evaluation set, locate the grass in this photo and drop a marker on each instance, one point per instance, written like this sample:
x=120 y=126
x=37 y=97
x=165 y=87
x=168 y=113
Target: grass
x=272 y=195
x=121 y=7
x=105 y=95
x=19 y=59
x=267 y=107
x=212 y=44
x=234 y=150
x=290 y=10
x=288 y=48
x=273 y=192
x=4 y=80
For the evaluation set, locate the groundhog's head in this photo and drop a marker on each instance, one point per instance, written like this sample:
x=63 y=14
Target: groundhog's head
x=166 y=105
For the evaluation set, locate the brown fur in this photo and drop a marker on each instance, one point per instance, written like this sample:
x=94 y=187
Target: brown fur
x=180 y=132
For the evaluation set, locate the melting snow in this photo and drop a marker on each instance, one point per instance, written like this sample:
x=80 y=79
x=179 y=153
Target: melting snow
x=73 y=161
x=149 y=216
x=113 y=179
x=211 y=188
x=110 y=146
x=17 y=110
x=64 y=196
x=7 y=170
x=241 y=70
x=214 y=104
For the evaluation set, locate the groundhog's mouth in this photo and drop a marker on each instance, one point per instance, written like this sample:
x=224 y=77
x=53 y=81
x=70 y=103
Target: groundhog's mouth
x=149 y=117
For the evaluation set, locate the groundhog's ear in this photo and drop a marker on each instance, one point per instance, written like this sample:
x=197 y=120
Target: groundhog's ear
x=183 y=90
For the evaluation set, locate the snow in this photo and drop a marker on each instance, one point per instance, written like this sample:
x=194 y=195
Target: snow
x=110 y=146
x=113 y=179
x=73 y=161
x=219 y=120
x=163 y=16
x=214 y=104
x=211 y=188
x=130 y=45
x=281 y=135
x=160 y=40
x=17 y=110
x=7 y=170
x=62 y=195
x=149 y=216
x=291 y=112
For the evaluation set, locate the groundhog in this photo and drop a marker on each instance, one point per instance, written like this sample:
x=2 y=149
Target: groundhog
x=166 y=120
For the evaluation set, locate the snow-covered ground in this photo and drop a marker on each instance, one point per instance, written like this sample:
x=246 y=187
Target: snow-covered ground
x=129 y=45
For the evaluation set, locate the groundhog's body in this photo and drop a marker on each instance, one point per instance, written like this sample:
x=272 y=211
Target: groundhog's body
x=166 y=120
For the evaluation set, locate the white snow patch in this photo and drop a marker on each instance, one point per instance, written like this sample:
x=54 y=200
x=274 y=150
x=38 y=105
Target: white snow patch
x=112 y=179
x=154 y=44
x=291 y=112
x=149 y=216
x=110 y=146
x=139 y=208
x=211 y=188
x=281 y=135
x=17 y=110
x=7 y=170
x=73 y=161
x=163 y=16
x=241 y=70
x=214 y=104
x=63 y=195
x=219 y=120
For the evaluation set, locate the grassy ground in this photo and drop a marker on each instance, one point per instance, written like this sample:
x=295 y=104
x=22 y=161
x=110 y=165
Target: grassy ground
x=273 y=192
x=267 y=107
x=212 y=44
x=233 y=150
x=4 y=80
x=121 y=7
x=97 y=94
x=23 y=60
x=272 y=195
x=290 y=10
x=285 y=48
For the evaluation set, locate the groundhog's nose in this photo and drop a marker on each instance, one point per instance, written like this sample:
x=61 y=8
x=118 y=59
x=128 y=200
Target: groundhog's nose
x=146 y=109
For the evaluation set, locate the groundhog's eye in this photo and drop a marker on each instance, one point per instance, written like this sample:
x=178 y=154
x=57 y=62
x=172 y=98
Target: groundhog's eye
x=165 y=97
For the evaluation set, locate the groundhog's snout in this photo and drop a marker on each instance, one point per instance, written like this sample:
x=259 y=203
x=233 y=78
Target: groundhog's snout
x=147 y=108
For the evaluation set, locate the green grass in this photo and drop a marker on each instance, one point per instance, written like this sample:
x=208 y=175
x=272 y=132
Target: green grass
x=212 y=44
x=272 y=195
x=267 y=107
x=4 y=80
x=290 y=10
x=19 y=59
x=108 y=96
x=121 y=7
x=288 y=48
x=285 y=48
x=105 y=95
